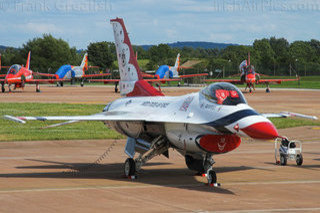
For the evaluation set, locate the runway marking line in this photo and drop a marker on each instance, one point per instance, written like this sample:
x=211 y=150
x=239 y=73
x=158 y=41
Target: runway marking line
x=268 y=210
x=155 y=186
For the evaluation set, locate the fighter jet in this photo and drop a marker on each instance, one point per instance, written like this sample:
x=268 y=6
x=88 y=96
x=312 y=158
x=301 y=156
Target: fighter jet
x=18 y=76
x=70 y=73
x=172 y=72
x=197 y=125
x=250 y=77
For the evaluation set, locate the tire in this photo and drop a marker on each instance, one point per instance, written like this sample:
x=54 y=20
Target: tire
x=283 y=160
x=267 y=90
x=82 y=84
x=194 y=164
x=129 y=167
x=3 y=89
x=299 y=160
x=61 y=84
x=212 y=177
x=23 y=80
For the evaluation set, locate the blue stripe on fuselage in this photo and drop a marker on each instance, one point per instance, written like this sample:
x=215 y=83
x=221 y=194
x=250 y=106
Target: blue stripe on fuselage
x=229 y=119
x=63 y=70
x=163 y=71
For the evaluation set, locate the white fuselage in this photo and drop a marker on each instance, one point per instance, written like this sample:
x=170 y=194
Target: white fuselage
x=182 y=119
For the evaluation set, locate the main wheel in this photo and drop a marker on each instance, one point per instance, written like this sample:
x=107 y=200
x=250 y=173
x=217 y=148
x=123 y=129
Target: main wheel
x=194 y=164
x=267 y=90
x=3 y=89
x=299 y=160
x=283 y=160
x=212 y=177
x=82 y=84
x=61 y=84
x=129 y=167
x=37 y=88
x=23 y=80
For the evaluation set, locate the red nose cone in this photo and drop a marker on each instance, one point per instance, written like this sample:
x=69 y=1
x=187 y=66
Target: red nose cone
x=261 y=130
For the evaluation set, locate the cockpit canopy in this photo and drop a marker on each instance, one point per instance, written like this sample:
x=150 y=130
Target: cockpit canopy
x=224 y=94
x=14 y=69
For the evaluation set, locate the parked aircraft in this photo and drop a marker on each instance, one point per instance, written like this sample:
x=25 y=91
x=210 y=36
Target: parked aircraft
x=165 y=73
x=198 y=125
x=18 y=76
x=169 y=72
x=70 y=72
x=250 y=77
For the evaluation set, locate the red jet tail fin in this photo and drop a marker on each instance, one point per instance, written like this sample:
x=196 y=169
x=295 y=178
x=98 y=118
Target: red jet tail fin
x=131 y=80
x=28 y=61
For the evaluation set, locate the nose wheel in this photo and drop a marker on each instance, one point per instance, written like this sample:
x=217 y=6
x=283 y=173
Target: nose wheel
x=212 y=178
x=210 y=174
x=129 y=167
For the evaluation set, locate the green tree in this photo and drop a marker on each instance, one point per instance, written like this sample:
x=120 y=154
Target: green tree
x=265 y=55
x=102 y=54
x=48 y=52
x=159 y=55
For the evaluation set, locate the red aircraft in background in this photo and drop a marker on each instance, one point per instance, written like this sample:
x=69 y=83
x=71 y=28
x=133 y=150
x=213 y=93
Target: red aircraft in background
x=250 y=77
x=18 y=76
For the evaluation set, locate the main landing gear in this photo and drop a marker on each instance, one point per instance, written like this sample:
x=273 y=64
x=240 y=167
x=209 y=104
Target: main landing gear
x=116 y=87
x=268 y=89
x=38 y=88
x=204 y=167
x=2 y=88
x=158 y=146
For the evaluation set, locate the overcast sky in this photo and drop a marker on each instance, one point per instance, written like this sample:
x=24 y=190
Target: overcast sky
x=159 y=21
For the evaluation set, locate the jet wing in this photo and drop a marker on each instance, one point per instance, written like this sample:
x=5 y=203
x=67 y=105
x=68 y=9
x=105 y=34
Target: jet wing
x=106 y=81
x=276 y=81
x=43 y=74
x=43 y=81
x=109 y=116
x=193 y=75
x=163 y=80
x=288 y=114
x=233 y=81
x=145 y=75
x=96 y=75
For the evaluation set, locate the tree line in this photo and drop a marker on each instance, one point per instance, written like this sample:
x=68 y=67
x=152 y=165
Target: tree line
x=273 y=56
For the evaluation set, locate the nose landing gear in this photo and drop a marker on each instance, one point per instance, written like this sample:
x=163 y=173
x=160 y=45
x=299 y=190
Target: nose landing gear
x=210 y=173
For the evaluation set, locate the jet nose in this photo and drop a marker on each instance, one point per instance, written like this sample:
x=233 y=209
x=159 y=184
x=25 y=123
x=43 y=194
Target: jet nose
x=261 y=130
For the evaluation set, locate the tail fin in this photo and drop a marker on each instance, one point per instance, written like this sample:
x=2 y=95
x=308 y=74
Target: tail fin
x=28 y=60
x=131 y=81
x=175 y=69
x=84 y=63
x=177 y=64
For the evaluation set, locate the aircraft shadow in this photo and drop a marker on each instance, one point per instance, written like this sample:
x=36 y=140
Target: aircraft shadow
x=171 y=177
